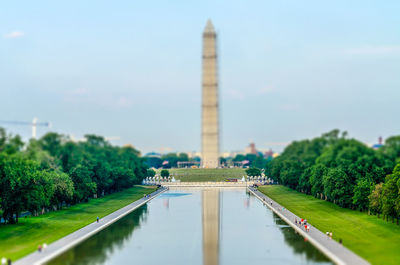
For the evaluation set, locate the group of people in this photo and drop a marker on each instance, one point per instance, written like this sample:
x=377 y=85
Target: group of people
x=302 y=223
x=329 y=235
x=5 y=261
x=42 y=247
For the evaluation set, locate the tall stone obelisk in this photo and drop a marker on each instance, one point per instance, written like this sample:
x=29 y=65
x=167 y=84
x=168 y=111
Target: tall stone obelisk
x=210 y=117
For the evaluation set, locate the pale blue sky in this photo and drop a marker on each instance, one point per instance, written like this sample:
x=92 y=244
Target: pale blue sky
x=288 y=69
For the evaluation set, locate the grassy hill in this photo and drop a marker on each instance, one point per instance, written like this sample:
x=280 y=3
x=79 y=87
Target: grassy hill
x=206 y=174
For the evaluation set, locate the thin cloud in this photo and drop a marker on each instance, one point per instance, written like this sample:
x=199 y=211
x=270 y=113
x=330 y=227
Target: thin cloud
x=288 y=107
x=265 y=90
x=124 y=102
x=236 y=94
x=14 y=34
x=78 y=91
x=376 y=50
x=277 y=143
x=83 y=95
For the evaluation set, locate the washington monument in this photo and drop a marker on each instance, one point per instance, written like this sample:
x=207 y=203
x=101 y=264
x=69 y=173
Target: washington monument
x=210 y=119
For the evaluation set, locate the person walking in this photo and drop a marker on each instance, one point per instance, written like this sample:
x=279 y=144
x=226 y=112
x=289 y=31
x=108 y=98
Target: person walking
x=97 y=219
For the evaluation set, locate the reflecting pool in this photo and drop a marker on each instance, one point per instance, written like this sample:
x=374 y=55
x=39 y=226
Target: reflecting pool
x=209 y=226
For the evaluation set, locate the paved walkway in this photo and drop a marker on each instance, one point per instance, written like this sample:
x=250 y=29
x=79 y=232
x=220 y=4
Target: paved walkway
x=332 y=249
x=67 y=242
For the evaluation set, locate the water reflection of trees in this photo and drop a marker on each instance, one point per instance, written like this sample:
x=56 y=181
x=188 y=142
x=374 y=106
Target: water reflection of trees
x=298 y=243
x=96 y=249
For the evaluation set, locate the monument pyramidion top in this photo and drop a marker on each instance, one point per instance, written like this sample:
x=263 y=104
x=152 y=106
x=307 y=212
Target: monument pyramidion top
x=209 y=27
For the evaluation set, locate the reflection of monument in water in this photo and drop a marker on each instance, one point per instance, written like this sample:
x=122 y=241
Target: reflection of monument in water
x=211 y=222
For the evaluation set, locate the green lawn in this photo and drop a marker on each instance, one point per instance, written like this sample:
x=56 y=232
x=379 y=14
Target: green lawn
x=370 y=237
x=23 y=238
x=206 y=174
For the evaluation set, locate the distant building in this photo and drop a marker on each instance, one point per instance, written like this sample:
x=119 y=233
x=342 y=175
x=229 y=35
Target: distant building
x=251 y=149
x=379 y=144
x=153 y=154
x=268 y=154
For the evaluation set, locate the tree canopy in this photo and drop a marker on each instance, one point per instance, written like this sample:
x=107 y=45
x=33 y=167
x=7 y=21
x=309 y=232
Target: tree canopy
x=54 y=171
x=344 y=171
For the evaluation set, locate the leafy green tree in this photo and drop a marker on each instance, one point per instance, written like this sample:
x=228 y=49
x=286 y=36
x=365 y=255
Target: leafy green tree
x=259 y=162
x=71 y=155
x=155 y=162
x=291 y=172
x=164 y=173
x=40 y=192
x=10 y=144
x=54 y=171
x=122 y=178
x=22 y=186
x=85 y=188
x=361 y=193
x=317 y=173
x=390 y=199
x=52 y=143
x=375 y=199
x=63 y=188
x=304 y=182
x=182 y=157
x=337 y=187
x=95 y=140
x=151 y=172
x=391 y=149
x=251 y=158
x=102 y=177
x=253 y=171
x=239 y=158
x=43 y=158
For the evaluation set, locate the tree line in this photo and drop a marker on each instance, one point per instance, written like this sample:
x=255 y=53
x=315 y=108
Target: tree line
x=344 y=171
x=53 y=171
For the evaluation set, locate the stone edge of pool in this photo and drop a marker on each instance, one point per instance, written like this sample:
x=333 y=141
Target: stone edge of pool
x=63 y=244
x=336 y=252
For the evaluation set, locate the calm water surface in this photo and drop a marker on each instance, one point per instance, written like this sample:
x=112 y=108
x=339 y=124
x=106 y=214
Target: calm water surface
x=206 y=226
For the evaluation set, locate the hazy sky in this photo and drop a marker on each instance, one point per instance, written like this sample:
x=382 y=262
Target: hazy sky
x=288 y=69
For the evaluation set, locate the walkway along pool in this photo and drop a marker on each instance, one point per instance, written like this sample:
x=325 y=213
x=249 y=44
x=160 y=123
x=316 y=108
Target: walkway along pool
x=207 y=226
